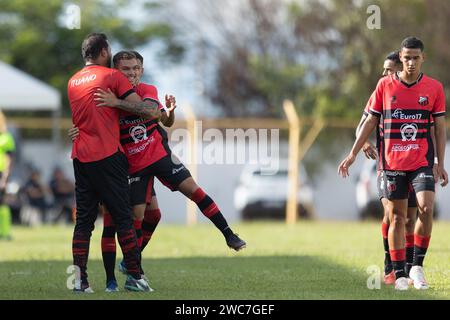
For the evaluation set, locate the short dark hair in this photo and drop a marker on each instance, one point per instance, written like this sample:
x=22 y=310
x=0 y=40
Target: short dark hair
x=138 y=56
x=394 y=56
x=123 y=55
x=93 y=45
x=412 y=43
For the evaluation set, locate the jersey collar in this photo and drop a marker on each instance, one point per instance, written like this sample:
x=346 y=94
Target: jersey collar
x=408 y=85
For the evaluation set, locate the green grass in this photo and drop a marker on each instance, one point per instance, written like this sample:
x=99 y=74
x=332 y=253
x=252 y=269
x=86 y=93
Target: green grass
x=311 y=260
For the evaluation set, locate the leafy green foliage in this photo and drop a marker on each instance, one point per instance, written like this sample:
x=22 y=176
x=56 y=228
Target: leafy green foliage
x=34 y=36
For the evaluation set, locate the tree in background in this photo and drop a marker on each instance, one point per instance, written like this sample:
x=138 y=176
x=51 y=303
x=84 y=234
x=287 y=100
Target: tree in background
x=320 y=54
x=34 y=37
x=253 y=54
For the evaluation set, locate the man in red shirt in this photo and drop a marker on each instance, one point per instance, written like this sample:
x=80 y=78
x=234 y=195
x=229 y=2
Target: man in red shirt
x=391 y=65
x=100 y=165
x=406 y=101
x=147 y=150
x=148 y=153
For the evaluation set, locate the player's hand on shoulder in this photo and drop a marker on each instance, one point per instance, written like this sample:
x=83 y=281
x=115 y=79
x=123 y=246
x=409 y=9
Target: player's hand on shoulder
x=106 y=98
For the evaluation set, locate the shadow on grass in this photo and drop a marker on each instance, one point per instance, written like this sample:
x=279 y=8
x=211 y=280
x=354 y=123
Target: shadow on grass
x=197 y=278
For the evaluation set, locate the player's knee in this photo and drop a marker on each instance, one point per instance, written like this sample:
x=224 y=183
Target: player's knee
x=397 y=221
x=386 y=217
x=426 y=210
x=409 y=225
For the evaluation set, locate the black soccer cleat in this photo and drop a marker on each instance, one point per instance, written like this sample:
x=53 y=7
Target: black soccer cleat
x=236 y=243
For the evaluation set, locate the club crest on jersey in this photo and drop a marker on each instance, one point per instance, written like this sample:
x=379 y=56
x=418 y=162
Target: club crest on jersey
x=138 y=133
x=409 y=131
x=393 y=99
x=423 y=101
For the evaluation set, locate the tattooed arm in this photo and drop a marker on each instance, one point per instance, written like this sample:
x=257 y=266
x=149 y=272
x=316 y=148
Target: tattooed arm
x=132 y=104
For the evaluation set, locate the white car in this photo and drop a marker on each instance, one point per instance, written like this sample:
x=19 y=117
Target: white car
x=260 y=196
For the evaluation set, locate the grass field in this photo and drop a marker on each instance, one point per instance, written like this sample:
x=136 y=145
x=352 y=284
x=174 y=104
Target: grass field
x=311 y=260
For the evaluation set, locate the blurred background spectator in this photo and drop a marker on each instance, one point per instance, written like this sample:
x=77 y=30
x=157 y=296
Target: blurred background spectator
x=35 y=207
x=63 y=191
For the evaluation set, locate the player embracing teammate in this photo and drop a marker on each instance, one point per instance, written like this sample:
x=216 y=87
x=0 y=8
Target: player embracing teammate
x=404 y=104
x=100 y=165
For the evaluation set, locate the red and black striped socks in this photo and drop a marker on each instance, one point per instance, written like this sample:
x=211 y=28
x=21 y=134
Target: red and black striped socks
x=109 y=246
x=409 y=244
x=387 y=256
x=421 y=244
x=210 y=210
x=149 y=224
x=80 y=252
x=398 y=258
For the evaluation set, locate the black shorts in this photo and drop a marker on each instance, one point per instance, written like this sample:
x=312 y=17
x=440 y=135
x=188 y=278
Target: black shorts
x=169 y=170
x=412 y=201
x=104 y=181
x=396 y=185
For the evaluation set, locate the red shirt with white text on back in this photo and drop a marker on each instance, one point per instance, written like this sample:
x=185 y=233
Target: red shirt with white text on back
x=98 y=126
x=407 y=110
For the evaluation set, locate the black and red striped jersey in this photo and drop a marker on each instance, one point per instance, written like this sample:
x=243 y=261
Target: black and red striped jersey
x=142 y=139
x=406 y=112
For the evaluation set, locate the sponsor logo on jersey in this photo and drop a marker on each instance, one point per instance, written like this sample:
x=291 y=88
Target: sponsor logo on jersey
x=409 y=131
x=138 y=133
x=140 y=148
x=404 y=148
x=398 y=114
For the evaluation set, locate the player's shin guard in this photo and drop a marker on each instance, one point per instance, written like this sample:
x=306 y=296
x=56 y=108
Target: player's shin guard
x=109 y=246
x=210 y=210
x=409 y=244
x=131 y=252
x=398 y=262
x=149 y=224
x=387 y=256
x=421 y=244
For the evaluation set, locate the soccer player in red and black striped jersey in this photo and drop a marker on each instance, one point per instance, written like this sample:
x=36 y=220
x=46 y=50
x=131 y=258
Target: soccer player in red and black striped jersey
x=391 y=65
x=406 y=101
x=100 y=165
x=146 y=146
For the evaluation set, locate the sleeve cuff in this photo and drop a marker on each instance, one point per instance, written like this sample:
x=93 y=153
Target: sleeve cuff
x=126 y=94
x=160 y=106
x=438 y=114
x=375 y=113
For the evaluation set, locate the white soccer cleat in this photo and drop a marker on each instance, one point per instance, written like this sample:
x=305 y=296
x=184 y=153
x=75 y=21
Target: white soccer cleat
x=401 y=284
x=418 y=277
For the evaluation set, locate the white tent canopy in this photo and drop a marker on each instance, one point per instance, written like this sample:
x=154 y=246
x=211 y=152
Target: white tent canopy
x=20 y=91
